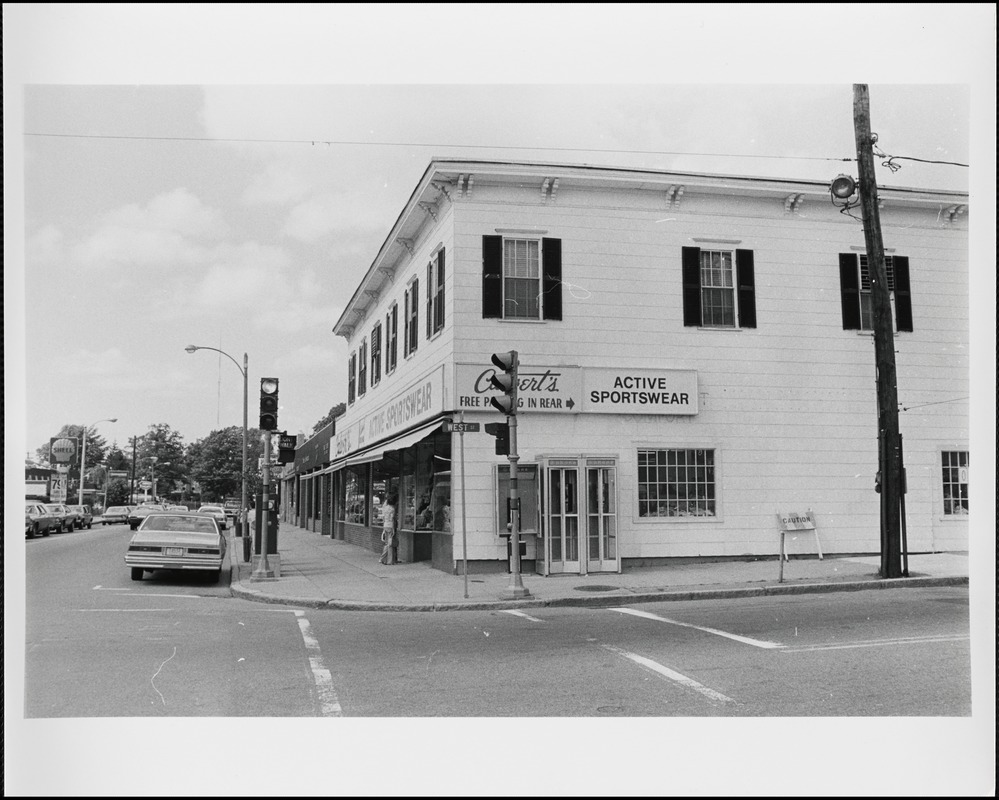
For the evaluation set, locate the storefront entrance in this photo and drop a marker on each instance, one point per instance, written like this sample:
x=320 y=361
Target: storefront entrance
x=580 y=516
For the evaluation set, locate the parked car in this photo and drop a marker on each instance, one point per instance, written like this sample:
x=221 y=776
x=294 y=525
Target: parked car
x=115 y=514
x=38 y=520
x=84 y=516
x=176 y=540
x=177 y=508
x=231 y=510
x=139 y=513
x=67 y=518
x=216 y=511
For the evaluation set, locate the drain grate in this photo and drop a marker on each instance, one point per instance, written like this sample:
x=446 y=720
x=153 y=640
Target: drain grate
x=597 y=588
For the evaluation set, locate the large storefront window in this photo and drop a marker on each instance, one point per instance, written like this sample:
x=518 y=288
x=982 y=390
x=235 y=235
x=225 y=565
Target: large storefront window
x=425 y=485
x=676 y=483
x=356 y=494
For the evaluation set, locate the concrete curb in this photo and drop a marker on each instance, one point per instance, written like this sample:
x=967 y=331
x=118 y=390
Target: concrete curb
x=617 y=598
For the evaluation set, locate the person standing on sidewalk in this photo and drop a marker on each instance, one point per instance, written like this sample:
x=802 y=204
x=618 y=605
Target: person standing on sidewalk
x=388 y=530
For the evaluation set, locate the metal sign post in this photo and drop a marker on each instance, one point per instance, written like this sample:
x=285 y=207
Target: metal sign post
x=263 y=570
x=464 y=537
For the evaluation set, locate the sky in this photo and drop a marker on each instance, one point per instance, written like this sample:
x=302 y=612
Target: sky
x=223 y=175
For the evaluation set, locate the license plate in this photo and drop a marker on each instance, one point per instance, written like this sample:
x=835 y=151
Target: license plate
x=175 y=551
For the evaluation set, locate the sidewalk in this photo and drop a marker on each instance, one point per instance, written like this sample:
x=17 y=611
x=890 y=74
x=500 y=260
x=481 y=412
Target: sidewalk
x=319 y=572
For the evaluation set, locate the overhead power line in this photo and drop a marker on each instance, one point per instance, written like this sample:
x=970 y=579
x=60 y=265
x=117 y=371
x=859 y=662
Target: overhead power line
x=330 y=143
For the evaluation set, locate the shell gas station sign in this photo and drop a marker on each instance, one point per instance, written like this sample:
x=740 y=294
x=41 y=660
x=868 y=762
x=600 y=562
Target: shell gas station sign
x=63 y=452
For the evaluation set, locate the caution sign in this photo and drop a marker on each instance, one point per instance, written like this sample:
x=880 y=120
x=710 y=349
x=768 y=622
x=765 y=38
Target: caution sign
x=640 y=391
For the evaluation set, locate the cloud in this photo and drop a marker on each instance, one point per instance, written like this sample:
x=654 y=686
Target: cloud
x=161 y=233
x=45 y=247
x=276 y=185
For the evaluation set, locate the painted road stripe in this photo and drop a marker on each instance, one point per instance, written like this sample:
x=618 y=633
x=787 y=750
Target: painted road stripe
x=329 y=703
x=877 y=643
x=666 y=672
x=734 y=636
x=521 y=614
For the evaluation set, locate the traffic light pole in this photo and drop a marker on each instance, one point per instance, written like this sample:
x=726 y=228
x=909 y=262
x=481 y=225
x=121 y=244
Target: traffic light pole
x=516 y=590
x=263 y=571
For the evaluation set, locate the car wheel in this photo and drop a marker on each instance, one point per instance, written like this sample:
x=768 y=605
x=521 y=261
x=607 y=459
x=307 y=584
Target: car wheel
x=90 y=525
x=46 y=531
x=137 y=573
x=32 y=531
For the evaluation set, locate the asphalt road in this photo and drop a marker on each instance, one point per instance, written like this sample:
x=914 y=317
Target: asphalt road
x=175 y=645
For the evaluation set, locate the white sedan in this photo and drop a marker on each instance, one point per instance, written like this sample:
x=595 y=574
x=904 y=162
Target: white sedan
x=216 y=511
x=174 y=540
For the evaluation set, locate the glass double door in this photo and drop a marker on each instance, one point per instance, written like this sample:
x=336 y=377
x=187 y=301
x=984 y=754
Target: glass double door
x=580 y=515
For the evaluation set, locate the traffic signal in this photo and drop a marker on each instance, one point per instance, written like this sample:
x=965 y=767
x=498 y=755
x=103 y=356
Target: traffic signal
x=286 y=448
x=501 y=430
x=505 y=381
x=268 y=404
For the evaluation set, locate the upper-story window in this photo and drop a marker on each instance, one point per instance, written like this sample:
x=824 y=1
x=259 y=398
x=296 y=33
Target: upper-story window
x=521 y=278
x=411 y=318
x=855 y=291
x=352 y=378
x=435 y=294
x=391 y=338
x=362 y=368
x=376 y=354
x=719 y=288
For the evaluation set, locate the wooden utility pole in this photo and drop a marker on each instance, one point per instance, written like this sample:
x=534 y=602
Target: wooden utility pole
x=889 y=457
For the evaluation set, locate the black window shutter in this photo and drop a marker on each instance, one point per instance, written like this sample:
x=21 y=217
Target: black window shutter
x=405 y=324
x=551 y=250
x=439 y=317
x=903 y=298
x=492 y=276
x=692 y=286
x=746 y=282
x=849 y=290
x=430 y=298
x=414 y=323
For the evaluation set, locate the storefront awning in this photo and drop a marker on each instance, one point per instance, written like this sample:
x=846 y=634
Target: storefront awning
x=375 y=453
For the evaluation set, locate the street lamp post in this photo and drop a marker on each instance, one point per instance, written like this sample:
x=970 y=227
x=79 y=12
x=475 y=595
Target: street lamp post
x=83 y=453
x=191 y=348
x=152 y=474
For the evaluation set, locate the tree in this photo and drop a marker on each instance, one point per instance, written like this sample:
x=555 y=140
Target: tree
x=216 y=462
x=118 y=493
x=167 y=447
x=337 y=411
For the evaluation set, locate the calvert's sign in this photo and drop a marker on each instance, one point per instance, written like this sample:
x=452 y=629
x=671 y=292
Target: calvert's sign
x=539 y=389
x=594 y=390
x=421 y=400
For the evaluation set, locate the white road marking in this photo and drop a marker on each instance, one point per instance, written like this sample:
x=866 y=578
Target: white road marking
x=124 y=609
x=734 y=636
x=521 y=614
x=329 y=703
x=876 y=643
x=100 y=588
x=666 y=672
x=152 y=680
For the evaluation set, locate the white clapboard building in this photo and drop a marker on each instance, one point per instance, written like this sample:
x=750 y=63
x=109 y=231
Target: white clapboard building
x=696 y=359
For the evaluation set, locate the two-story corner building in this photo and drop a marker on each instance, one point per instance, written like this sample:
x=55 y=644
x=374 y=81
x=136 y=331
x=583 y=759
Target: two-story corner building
x=696 y=358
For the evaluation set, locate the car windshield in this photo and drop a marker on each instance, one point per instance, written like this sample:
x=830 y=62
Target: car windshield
x=116 y=510
x=179 y=523
x=209 y=509
x=30 y=509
